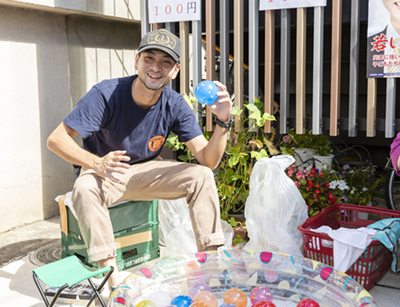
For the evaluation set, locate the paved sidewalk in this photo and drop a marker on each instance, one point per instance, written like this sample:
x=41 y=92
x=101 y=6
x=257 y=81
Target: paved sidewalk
x=24 y=245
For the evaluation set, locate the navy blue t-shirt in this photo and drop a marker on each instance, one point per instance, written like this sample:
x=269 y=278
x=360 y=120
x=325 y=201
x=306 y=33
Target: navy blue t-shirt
x=108 y=119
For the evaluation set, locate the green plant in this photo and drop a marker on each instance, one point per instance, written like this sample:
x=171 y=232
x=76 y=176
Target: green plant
x=362 y=183
x=245 y=146
x=238 y=240
x=320 y=142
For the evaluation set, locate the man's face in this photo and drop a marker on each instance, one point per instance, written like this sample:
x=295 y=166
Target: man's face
x=155 y=68
x=393 y=6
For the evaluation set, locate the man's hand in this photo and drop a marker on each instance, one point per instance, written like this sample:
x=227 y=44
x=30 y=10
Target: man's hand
x=222 y=108
x=111 y=163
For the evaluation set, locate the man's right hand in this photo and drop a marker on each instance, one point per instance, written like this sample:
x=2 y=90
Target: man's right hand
x=112 y=163
x=61 y=142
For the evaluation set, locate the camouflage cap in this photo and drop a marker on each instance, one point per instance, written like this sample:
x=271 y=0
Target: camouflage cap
x=163 y=40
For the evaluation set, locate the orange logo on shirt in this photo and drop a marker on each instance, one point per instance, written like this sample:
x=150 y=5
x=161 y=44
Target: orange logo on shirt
x=156 y=142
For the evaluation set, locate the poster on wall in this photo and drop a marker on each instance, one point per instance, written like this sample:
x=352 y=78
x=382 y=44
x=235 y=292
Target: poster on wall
x=383 y=42
x=161 y=11
x=266 y=5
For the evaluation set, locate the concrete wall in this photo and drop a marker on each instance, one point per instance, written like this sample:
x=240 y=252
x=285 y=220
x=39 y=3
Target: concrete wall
x=50 y=57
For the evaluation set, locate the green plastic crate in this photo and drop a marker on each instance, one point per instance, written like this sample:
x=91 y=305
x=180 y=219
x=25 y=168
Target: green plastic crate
x=134 y=221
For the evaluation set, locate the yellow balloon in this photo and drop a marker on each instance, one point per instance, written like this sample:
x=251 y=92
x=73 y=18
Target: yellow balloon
x=146 y=303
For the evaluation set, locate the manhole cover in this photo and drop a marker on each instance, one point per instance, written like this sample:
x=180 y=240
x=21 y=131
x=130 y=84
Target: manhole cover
x=48 y=253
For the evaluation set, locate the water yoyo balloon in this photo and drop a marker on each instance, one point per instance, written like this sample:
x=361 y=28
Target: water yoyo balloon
x=206 y=92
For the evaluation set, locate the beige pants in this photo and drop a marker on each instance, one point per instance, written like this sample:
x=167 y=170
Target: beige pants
x=156 y=179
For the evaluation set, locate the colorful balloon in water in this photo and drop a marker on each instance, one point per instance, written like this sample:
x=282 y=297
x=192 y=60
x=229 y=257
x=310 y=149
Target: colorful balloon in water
x=160 y=298
x=259 y=294
x=181 y=301
x=265 y=304
x=198 y=304
x=206 y=92
x=236 y=297
x=307 y=303
x=207 y=298
x=146 y=303
x=198 y=287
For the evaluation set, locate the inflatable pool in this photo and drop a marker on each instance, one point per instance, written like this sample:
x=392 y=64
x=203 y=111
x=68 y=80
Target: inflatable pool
x=289 y=280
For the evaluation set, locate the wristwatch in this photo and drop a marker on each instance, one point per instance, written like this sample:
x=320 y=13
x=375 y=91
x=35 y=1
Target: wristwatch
x=224 y=125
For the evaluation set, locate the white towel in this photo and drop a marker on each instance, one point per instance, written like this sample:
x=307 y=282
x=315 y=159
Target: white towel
x=348 y=244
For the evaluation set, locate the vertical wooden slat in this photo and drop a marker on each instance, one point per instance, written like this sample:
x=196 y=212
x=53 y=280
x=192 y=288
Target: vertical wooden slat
x=269 y=66
x=390 y=107
x=184 y=72
x=336 y=69
x=371 y=107
x=196 y=62
x=285 y=70
x=224 y=41
x=210 y=52
x=156 y=26
x=354 y=56
x=301 y=70
x=170 y=26
x=144 y=15
x=253 y=55
x=239 y=57
x=318 y=65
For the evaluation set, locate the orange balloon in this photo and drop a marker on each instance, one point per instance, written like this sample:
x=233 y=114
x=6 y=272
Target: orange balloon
x=198 y=304
x=236 y=297
x=207 y=298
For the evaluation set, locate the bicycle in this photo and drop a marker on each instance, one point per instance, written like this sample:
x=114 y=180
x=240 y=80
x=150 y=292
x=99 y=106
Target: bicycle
x=392 y=187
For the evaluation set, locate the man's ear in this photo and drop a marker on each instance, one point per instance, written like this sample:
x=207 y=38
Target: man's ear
x=136 y=61
x=177 y=68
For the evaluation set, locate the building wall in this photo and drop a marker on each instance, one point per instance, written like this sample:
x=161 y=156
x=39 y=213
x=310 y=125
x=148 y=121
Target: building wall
x=51 y=55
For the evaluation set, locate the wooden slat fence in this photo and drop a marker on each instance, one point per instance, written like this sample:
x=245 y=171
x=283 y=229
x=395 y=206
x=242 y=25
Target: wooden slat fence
x=246 y=32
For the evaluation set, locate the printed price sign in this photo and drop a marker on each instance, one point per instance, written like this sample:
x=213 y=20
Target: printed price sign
x=174 y=10
x=266 y=5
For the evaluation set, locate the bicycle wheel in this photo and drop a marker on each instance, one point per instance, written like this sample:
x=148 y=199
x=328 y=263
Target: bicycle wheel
x=392 y=190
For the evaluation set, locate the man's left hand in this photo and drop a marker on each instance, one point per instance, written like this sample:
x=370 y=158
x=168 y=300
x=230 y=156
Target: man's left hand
x=222 y=108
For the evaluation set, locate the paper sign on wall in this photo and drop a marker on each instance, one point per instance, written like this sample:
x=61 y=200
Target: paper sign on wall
x=289 y=4
x=173 y=10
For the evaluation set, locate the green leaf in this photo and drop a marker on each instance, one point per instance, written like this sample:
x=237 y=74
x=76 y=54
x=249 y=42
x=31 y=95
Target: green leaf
x=238 y=240
x=286 y=151
x=267 y=116
x=258 y=155
x=252 y=108
x=183 y=158
x=236 y=111
x=233 y=222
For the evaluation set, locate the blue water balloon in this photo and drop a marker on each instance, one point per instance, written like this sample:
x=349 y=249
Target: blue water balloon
x=182 y=301
x=206 y=92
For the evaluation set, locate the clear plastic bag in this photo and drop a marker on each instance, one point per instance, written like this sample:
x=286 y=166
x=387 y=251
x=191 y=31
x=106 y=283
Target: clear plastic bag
x=274 y=208
x=176 y=230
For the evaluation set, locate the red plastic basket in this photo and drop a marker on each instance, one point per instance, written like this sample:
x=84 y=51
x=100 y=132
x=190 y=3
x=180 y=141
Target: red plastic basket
x=373 y=263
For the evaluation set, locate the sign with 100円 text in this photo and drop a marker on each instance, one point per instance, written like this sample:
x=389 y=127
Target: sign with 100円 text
x=289 y=4
x=173 y=10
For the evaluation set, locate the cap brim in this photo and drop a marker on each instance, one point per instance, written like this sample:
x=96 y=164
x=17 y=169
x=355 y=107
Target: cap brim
x=166 y=50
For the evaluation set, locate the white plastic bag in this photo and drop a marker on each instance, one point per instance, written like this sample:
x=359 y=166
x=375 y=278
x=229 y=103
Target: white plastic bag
x=274 y=208
x=176 y=230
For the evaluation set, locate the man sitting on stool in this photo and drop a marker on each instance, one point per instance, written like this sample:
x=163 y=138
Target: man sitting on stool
x=124 y=123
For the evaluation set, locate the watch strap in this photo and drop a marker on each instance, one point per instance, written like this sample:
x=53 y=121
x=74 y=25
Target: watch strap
x=222 y=124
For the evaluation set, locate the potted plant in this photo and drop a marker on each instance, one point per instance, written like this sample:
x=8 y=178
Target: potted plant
x=306 y=148
x=323 y=158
